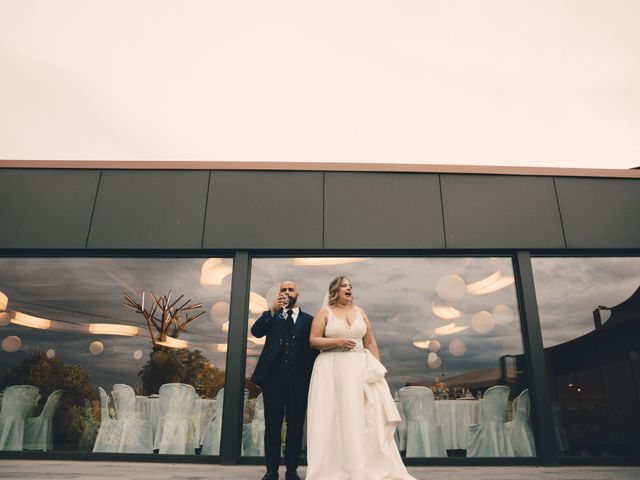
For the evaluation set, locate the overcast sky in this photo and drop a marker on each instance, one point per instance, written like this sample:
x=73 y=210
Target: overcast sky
x=467 y=82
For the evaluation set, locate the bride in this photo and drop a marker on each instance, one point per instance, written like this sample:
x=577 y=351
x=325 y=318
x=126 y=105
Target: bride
x=351 y=416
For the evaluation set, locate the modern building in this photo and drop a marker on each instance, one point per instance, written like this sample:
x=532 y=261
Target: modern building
x=131 y=287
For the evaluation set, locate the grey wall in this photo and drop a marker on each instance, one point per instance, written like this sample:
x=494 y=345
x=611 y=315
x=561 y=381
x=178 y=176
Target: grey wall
x=149 y=209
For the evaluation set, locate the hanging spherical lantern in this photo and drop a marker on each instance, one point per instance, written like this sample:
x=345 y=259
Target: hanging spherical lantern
x=433 y=360
x=482 y=322
x=11 y=344
x=451 y=288
x=96 y=348
x=457 y=347
x=503 y=314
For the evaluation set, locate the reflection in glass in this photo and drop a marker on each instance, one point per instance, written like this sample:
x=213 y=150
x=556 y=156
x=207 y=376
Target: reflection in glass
x=448 y=324
x=590 y=319
x=99 y=370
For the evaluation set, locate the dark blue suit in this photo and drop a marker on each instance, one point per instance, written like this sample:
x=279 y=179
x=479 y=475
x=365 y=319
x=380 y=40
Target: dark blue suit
x=283 y=372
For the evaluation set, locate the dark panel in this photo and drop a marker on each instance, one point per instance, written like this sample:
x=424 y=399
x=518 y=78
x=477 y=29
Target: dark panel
x=542 y=420
x=600 y=212
x=264 y=210
x=231 y=433
x=46 y=208
x=149 y=209
x=382 y=210
x=492 y=211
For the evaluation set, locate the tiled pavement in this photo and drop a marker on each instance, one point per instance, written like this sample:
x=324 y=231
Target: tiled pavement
x=70 y=470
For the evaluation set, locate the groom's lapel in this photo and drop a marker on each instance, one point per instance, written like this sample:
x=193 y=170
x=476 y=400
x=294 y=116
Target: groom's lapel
x=302 y=318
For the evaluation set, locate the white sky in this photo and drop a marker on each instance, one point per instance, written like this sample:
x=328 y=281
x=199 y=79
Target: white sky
x=466 y=82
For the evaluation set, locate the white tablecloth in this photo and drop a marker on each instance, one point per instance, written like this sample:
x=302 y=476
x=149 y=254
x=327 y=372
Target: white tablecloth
x=454 y=417
x=148 y=408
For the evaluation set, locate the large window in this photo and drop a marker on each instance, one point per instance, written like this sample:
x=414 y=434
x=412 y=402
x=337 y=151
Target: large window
x=590 y=318
x=448 y=324
x=83 y=369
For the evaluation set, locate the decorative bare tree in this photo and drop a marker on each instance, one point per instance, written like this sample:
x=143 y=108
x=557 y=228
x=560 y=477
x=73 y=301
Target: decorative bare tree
x=163 y=316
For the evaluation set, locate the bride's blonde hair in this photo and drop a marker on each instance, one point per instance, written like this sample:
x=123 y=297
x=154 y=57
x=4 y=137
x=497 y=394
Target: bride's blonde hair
x=334 y=288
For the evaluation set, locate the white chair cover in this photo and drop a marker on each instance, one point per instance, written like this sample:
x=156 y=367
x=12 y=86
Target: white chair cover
x=489 y=438
x=253 y=433
x=401 y=430
x=177 y=432
x=212 y=433
x=424 y=435
x=136 y=433
x=17 y=404
x=38 y=431
x=519 y=430
x=108 y=438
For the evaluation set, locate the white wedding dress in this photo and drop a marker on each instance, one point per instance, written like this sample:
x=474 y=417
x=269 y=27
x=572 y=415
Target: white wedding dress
x=351 y=416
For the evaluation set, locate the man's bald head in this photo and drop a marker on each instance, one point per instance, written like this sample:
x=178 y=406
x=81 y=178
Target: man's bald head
x=290 y=289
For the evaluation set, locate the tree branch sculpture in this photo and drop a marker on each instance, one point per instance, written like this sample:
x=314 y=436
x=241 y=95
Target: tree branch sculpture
x=164 y=317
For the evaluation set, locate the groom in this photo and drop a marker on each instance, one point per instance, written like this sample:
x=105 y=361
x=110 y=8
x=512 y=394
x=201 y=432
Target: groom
x=283 y=372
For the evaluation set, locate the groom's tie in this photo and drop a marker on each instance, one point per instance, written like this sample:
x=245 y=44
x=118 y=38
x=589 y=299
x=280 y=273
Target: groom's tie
x=290 y=319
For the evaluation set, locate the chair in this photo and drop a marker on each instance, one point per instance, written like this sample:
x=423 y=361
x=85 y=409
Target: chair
x=520 y=433
x=253 y=433
x=177 y=433
x=424 y=435
x=17 y=404
x=401 y=429
x=108 y=438
x=211 y=436
x=489 y=438
x=38 y=431
x=136 y=434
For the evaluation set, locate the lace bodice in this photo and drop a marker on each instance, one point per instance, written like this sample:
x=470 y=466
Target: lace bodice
x=337 y=328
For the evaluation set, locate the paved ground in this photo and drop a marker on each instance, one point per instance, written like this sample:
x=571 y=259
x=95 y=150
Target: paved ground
x=69 y=470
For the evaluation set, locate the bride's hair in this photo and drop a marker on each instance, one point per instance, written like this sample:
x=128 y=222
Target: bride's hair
x=334 y=288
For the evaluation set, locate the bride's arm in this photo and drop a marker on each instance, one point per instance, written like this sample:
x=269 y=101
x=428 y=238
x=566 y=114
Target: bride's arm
x=317 y=339
x=369 y=340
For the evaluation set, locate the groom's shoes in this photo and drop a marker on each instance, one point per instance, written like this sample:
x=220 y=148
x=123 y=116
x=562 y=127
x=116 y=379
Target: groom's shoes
x=291 y=476
x=270 y=476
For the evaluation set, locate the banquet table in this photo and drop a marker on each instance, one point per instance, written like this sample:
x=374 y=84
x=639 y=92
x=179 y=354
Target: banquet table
x=454 y=417
x=148 y=408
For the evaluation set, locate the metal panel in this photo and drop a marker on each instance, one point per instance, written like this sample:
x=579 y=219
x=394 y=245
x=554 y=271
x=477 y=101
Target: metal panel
x=264 y=210
x=383 y=210
x=149 y=209
x=491 y=211
x=46 y=208
x=599 y=212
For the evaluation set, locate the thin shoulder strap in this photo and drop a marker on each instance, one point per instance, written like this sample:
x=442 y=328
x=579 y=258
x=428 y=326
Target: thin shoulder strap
x=330 y=313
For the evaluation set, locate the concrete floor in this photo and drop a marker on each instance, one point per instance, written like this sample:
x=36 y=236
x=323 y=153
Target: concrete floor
x=69 y=470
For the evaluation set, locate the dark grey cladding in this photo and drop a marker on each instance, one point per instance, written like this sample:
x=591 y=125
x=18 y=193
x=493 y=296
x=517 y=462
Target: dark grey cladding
x=46 y=208
x=149 y=209
x=264 y=210
x=600 y=212
x=501 y=211
x=382 y=210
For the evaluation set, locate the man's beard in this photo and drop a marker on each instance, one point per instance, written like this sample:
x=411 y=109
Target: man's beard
x=292 y=301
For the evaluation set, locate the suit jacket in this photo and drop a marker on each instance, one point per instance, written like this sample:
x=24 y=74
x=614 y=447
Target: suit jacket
x=274 y=329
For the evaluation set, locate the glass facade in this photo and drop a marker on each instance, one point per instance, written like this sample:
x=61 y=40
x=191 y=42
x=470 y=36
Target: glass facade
x=448 y=324
x=590 y=319
x=83 y=370
x=119 y=355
